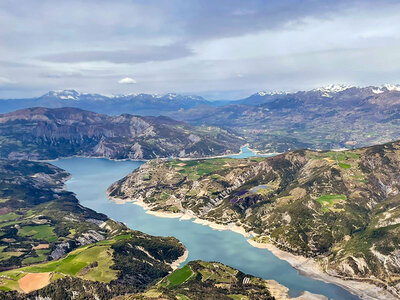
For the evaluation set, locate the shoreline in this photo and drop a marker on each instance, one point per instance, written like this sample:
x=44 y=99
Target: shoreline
x=258 y=153
x=310 y=268
x=281 y=292
x=176 y=264
x=305 y=266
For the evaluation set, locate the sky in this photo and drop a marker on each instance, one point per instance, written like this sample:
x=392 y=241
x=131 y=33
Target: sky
x=225 y=49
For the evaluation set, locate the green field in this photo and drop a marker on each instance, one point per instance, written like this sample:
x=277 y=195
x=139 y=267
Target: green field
x=91 y=262
x=344 y=166
x=328 y=202
x=198 y=168
x=8 y=254
x=341 y=156
x=180 y=276
x=8 y=217
x=41 y=256
x=38 y=232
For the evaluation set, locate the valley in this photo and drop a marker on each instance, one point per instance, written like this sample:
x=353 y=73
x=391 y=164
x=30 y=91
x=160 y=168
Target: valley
x=58 y=248
x=202 y=242
x=199 y=150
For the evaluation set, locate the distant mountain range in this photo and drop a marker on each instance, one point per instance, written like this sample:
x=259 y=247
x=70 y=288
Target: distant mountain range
x=138 y=104
x=155 y=104
x=324 y=118
x=45 y=133
x=329 y=91
x=335 y=116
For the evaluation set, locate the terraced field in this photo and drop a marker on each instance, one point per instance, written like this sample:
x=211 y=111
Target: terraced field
x=90 y=262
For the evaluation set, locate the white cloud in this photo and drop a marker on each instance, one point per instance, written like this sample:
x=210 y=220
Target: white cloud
x=127 y=80
x=4 y=80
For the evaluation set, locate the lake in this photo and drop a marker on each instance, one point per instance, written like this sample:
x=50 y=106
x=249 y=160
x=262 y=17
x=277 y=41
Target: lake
x=92 y=176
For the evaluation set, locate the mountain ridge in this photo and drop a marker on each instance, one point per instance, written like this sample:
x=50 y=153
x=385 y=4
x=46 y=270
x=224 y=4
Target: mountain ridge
x=44 y=133
x=340 y=209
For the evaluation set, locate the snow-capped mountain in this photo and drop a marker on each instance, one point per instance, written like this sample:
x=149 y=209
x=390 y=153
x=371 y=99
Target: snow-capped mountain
x=386 y=87
x=168 y=104
x=139 y=104
x=63 y=94
x=70 y=94
x=270 y=93
x=329 y=90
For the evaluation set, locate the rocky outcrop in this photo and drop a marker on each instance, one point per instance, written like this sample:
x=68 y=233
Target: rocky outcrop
x=41 y=133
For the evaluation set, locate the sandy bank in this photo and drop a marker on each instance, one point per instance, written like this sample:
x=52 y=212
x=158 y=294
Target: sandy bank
x=175 y=265
x=280 y=292
x=309 y=267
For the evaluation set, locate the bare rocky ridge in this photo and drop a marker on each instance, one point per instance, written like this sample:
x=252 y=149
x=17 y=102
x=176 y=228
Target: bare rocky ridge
x=41 y=133
x=330 y=117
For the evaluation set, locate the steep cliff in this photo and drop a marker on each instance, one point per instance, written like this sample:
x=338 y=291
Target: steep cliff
x=42 y=133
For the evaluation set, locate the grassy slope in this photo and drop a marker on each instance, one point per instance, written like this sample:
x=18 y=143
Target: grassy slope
x=125 y=262
x=44 y=229
x=206 y=280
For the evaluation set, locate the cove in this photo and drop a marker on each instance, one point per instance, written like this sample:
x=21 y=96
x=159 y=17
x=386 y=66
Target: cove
x=92 y=176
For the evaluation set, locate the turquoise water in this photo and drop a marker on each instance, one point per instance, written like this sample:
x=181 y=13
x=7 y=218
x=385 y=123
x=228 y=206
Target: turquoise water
x=246 y=152
x=92 y=176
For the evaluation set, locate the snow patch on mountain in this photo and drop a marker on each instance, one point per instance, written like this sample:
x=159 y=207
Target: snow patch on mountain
x=392 y=87
x=64 y=94
x=329 y=90
x=76 y=96
x=377 y=90
x=270 y=93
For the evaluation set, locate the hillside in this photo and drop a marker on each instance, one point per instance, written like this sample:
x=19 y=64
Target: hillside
x=340 y=208
x=53 y=248
x=324 y=118
x=213 y=280
x=46 y=237
x=42 y=133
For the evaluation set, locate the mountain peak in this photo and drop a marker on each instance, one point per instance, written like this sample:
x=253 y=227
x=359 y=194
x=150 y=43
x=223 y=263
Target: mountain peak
x=392 y=87
x=68 y=94
x=328 y=90
x=270 y=93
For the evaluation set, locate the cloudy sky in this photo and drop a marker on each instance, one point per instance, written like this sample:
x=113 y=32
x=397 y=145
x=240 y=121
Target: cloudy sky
x=221 y=49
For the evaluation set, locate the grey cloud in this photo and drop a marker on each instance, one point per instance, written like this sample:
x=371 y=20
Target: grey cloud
x=41 y=41
x=228 y=18
x=13 y=64
x=57 y=75
x=139 y=54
